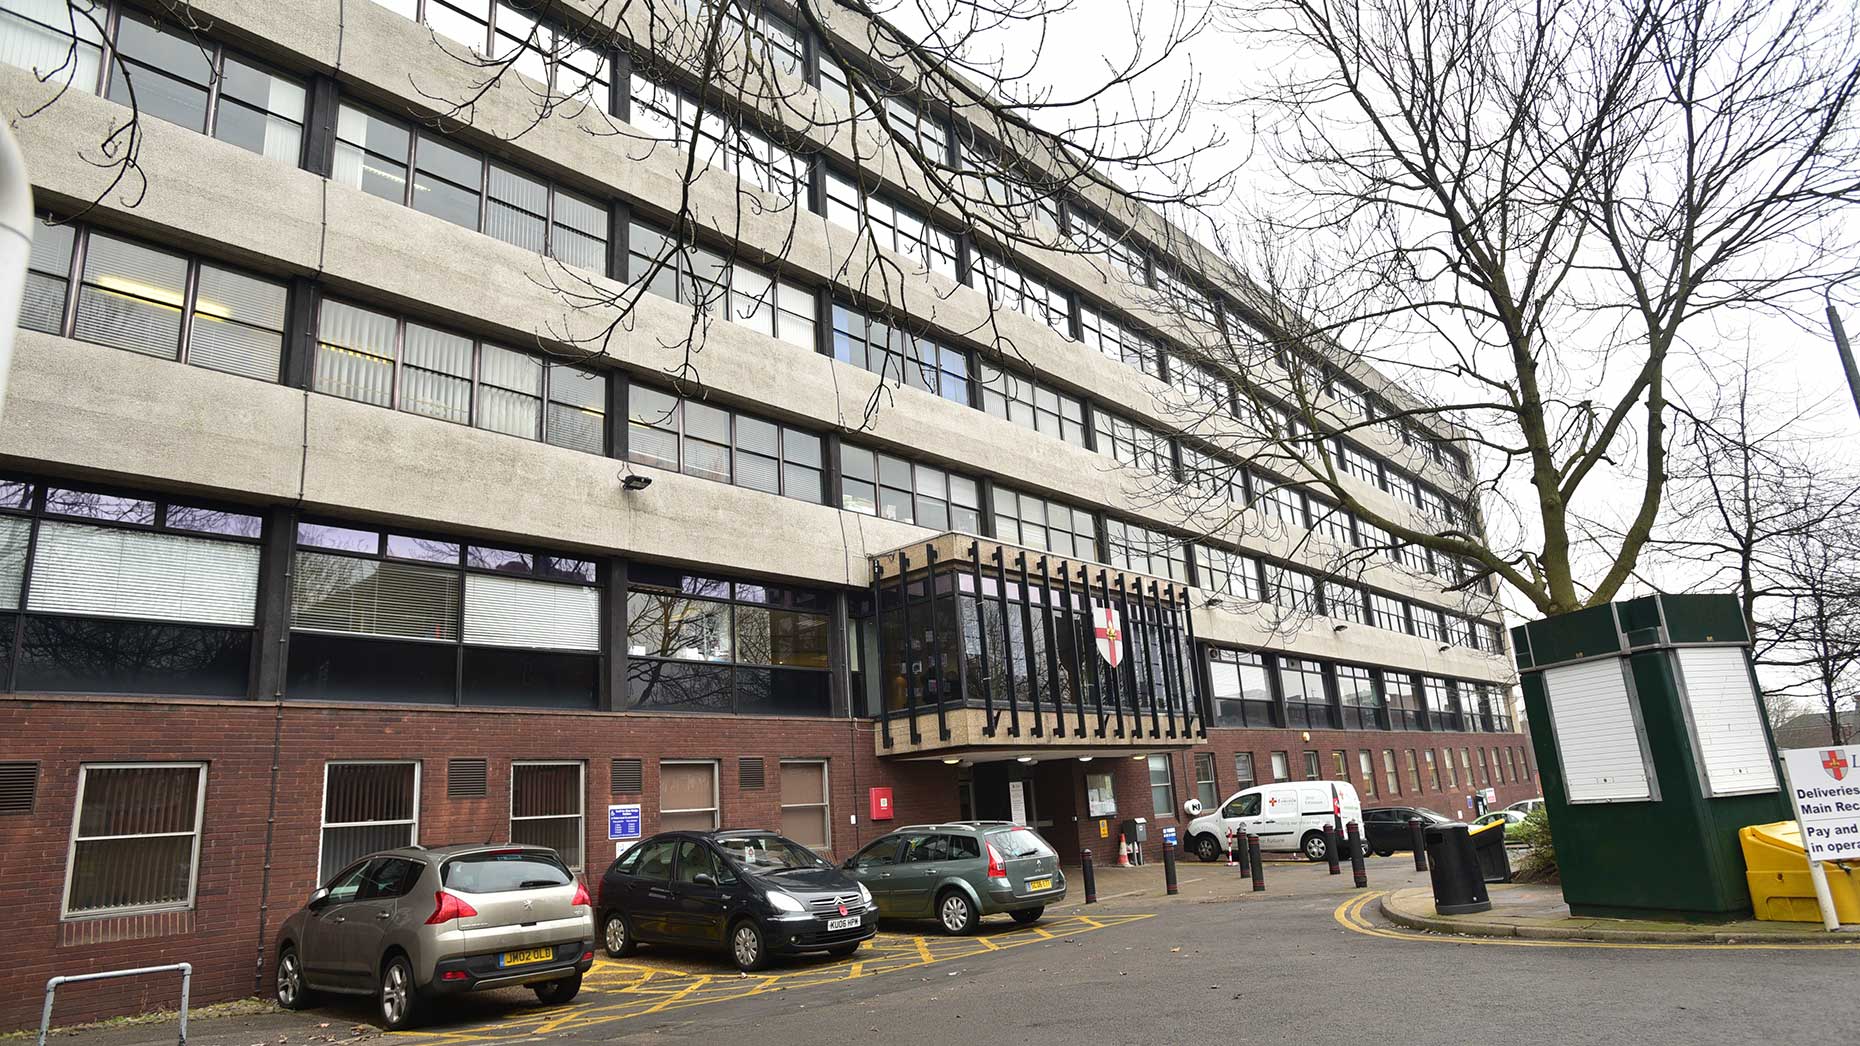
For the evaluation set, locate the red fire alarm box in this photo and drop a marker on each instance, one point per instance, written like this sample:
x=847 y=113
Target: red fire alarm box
x=881 y=804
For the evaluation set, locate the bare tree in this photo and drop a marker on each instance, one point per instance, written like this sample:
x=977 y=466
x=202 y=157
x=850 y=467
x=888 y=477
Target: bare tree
x=1527 y=212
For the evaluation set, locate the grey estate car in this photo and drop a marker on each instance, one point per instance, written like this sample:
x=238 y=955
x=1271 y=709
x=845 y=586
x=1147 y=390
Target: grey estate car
x=959 y=872
x=409 y=924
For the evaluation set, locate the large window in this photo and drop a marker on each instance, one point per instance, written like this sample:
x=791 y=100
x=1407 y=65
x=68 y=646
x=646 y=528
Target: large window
x=724 y=141
x=1120 y=249
x=1306 y=702
x=124 y=594
x=1356 y=692
x=1446 y=763
x=1388 y=612
x=896 y=355
x=1025 y=194
x=376 y=154
x=1442 y=710
x=701 y=644
x=1414 y=773
x=719 y=287
x=1205 y=788
x=1162 y=787
x=1391 y=780
x=1243 y=770
x=1146 y=551
x=1404 y=702
x=377 y=358
x=569 y=64
x=1291 y=590
x=688 y=796
x=893 y=226
x=1137 y=446
x=546 y=808
x=1433 y=769
x=135 y=839
x=1016 y=289
x=380 y=615
x=1024 y=401
x=367 y=807
x=1050 y=526
x=1366 y=768
x=1227 y=574
x=1102 y=331
x=156 y=302
x=804 y=803
x=1240 y=689
x=725 y=445
x=880 y=484
x=1343 y=601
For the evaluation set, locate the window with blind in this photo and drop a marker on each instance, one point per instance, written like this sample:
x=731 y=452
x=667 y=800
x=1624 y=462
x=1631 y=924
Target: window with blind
x=884 y=485
x=124 y=594
x=547 y=808
x=136 y=843
x=804 y=803
x=688 y=796
x=454 y=378
x=728 y=446
x=1044 y=524
x=1243 y=771
x=703 y=644
x=367 y=807
x=385 y=616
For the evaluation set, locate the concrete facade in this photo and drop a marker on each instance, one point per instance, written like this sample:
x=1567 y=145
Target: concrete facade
x=80 y=412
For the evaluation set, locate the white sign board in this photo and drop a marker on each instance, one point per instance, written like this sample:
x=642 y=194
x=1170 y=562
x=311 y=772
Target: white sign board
x=1824 y=784
x=1017 y=802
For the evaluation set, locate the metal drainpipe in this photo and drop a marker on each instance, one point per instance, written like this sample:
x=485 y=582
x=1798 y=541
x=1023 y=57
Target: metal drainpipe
x=15 y=246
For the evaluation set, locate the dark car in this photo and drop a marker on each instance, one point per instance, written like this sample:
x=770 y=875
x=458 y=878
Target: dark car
x=1385 y=828
x=960 y=872
x=754 y=893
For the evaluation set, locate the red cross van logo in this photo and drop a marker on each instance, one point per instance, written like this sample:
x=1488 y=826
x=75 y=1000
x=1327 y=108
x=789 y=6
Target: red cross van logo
x=1834 y=762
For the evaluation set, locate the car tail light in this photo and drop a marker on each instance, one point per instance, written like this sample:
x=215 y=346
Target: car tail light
x=453 y=975
x=581 y=897
x=448 y=907
x=995 y=868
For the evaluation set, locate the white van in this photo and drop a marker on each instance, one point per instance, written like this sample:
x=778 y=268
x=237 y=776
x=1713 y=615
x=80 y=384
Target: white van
x=1288 y=816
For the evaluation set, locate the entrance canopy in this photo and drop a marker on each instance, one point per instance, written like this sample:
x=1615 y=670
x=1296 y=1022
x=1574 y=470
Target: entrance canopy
x=984 y=645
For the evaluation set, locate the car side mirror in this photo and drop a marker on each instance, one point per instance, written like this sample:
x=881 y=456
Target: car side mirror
x=318 y=898
x=704 y=879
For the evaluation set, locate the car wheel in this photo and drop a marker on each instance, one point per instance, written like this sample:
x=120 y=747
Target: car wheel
x=557 y=992
x=617 y=935
x=956 y=914
x=747 y=946
x=1207 y=847
x=292 y=994
x=399 y=999
x=841 y=951
x=1028 y=916
x=1385 y=853
x=1313 y=846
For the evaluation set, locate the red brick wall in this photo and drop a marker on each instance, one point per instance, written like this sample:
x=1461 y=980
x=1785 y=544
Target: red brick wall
x=222 y=935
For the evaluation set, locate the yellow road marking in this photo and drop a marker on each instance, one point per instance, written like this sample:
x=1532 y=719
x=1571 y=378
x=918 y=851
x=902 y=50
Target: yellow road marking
x=1350 y=916
x=618 y=990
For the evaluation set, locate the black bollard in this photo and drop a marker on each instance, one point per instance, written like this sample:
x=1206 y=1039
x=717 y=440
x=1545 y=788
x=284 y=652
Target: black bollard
x=1330 y=849
x=1357 y=868
x=1259 y=866
x=1240 y=853
x=1414 y=840
x=1169 y=867
x=1090 y=877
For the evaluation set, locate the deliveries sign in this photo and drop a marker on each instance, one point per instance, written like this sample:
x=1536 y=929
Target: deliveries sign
x=1824 y=783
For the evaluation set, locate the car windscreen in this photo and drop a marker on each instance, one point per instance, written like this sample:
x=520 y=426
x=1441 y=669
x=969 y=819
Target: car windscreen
x=1434 y=814
x=1020 y=842
x=769 y=853
x=498 y=871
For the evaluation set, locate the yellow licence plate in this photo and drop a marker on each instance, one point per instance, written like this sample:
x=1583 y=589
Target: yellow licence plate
x=528 y=955
x=1039 y=884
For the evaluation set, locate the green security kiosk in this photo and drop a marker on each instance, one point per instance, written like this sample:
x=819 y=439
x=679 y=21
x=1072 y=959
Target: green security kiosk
x=1653 y=750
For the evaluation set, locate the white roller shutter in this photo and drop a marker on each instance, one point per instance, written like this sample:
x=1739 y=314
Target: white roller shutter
x=1595 y=733
x=514 y=612
x=1725 y=721
x=104 y=572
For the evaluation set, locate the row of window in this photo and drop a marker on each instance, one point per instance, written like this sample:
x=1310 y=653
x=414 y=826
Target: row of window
x=1375 y=777
x=135 y=845
x=1249 y=689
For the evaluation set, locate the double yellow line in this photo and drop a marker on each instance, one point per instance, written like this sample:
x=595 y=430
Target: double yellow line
x=1349 y=915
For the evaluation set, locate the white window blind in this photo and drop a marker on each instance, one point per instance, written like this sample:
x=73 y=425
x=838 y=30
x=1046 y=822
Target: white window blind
x=503 y=611
x=101 y=572
x=1594 y=723
x=1726 y=721
x=374 y=597
x=14 y=531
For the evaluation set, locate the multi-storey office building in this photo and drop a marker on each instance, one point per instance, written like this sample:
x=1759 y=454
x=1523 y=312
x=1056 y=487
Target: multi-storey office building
x=318 y=538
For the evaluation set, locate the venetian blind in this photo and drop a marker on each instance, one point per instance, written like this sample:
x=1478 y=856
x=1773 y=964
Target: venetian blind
x=104 y=572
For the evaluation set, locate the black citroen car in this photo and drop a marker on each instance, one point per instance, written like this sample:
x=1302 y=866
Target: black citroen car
x=755 y=894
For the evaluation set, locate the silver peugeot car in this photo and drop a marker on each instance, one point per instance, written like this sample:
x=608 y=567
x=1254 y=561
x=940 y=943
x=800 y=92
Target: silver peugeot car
x=410 y=924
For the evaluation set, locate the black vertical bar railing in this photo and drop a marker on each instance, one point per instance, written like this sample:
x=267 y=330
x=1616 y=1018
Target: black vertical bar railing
x=981 y=631
x=1129 y=654
x=884 y=699
x=911 y=681
x=1157 y=694
x=1026 y=635
x=1050 y=624
x=1098 y=682
x=1007 y=641
x=936 y=638
x=1165 y=650
x=1189 y=668
x=1114 y=643
x=1071 y=620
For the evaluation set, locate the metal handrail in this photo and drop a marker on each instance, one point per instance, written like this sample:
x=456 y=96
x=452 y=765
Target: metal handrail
x=51 y=989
